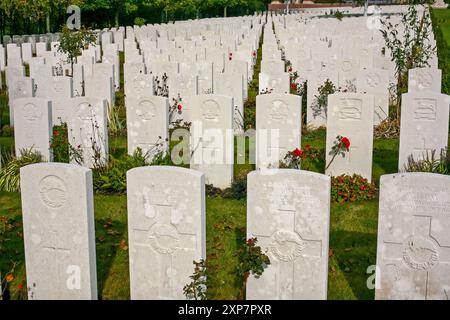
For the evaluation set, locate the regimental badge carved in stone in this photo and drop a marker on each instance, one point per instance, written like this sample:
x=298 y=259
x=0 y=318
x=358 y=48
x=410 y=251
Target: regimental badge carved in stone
x=424 y=79
x=278 y=110
x=85 y=111
x=146 y=110
x=425 y=109
x=53 y=192
x=31 y=112
x=420 y=253
x=346 y=66
x=210 y=110
x=286 y=245
x=350 y=109
x=164 y=238
x=20 y=90
x=373 y=80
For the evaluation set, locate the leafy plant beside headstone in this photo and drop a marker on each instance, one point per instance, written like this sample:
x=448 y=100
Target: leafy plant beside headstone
x=411 y=48
x=251 y=261
x=347 y=188
x=73 y=42
x=320 y=104
x=430 y=162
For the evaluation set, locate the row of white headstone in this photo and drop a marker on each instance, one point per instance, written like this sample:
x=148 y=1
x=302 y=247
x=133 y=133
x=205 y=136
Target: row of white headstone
x=424 y=127
x=287 y=210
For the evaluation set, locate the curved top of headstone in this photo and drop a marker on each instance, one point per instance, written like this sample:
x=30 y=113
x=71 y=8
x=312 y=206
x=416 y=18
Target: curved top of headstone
x=408 y=175
x=269 y=172
x=179 y=170
x=54 y=165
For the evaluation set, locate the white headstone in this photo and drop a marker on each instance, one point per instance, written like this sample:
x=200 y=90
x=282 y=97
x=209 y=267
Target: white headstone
x=376 y=82
x=288 y=211
x=148 y=124
x=278 y=127
x=212 y=138
x=350 y=115
x=59 y=233
x=88 y=130
x=33 y=126
x=424 y=79
x=166 y=228
x=413 y=254
x=423 y=126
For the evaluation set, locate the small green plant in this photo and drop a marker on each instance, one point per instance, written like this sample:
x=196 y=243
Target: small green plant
x=252 y=261
x=338 y=15
x=139 y=21
x=237 y=190
x=62 y=150
x=347 y=188
x=305 y=156
x=320 y=104
x=196 y=290
x=10 y=173
x=430 y=163
x=72 y=43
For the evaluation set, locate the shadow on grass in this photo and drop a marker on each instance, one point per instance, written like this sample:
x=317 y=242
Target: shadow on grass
x=108 y=237
x=354 y=252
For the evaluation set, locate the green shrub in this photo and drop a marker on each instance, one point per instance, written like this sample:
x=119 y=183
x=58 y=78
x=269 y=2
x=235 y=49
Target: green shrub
x=113 y=177
x=7 y=131
x=10 y=173
x=430 y=163
x=346 y=188
x=237 y=190
x=443 y=51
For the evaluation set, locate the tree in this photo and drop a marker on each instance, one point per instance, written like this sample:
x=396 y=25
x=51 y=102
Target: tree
x=72 y=43
x=411 y=48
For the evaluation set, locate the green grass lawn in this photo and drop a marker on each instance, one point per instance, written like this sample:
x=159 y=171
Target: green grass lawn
x=442 y=16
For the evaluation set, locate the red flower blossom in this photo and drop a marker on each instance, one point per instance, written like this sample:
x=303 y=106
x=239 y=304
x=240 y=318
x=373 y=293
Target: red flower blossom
x=297 y=152
x=290 y=69
x=180 y=107
x=346 y=142
x=20 y=286
x=254 y=53
x=55 y=132
x=293 y=86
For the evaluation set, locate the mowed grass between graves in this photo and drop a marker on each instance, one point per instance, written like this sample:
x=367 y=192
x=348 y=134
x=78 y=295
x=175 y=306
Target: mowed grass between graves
x=353 y=232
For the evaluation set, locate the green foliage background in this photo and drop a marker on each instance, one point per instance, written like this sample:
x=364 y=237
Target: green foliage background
x=41 y=16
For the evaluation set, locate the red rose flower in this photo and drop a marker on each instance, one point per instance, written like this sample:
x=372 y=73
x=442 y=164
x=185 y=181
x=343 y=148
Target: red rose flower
x=180 y=107
x=346 y=142
x=290 y=69
x=254 y=53
x=297 y=152
x=293 y=86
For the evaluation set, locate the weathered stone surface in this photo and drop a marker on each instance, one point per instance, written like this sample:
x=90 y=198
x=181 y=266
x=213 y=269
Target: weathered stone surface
x=351 y=115
x=278 y=127
x=413 y=255
x=166 y=228
x=423 y=126
x=58 y=222
x=33 y=126
x=289 y=212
